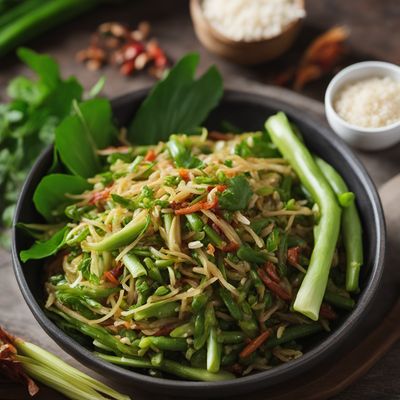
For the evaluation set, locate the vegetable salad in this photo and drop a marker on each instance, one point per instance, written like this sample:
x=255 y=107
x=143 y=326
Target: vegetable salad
x=186 y=257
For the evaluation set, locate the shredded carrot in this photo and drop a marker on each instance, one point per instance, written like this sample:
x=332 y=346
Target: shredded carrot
x=221 y=188
x=99 y=196
x=273 y=286
x=150 y=156
x=109 y=276
x=210 y=249
x=184 y=174
x=326 y=312
x=201 y=205
x=255 y=344
x=271 y=271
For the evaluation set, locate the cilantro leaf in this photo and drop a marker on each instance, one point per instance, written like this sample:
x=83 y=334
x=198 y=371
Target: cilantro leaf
x=258 y=146
x=177 y=103
x=237 y=195
x=28 y=122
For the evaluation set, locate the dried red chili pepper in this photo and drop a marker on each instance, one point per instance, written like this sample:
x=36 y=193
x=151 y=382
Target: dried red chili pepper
x=271 y=271
x=231 y=247
x=293 y=255
x=273 y=286
x=327 y=312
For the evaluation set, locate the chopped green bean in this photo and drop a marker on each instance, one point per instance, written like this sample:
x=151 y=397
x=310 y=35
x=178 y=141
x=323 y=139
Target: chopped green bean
x=133 y=265
x=309 y=297
x=158 y=310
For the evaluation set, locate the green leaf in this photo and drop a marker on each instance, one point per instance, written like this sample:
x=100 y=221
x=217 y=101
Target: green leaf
x=98 y=117
x=43 y=249
x=59 y=101
x=259 y=146
x=49 y=197
x=87 y=130
x=237 y=195
x=45 y=66
x=177 y=103
x=27 y=90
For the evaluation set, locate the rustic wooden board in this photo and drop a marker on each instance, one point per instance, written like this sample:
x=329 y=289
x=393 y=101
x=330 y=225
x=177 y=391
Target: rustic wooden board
x=320 y=383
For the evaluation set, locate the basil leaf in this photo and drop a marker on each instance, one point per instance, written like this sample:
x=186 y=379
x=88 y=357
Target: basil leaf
x=43 y=249
x=237 y=195
x=49 y=197
x=177 y=103
x=80 y=135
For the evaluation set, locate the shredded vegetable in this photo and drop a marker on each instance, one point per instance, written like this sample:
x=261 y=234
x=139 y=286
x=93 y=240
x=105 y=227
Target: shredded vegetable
x=187 y=260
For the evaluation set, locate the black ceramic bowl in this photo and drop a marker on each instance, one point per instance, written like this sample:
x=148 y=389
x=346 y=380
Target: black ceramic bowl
x=248 y=112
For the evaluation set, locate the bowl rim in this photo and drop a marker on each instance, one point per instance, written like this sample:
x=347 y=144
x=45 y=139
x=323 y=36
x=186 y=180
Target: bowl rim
x=196 y=12
x=239 y=385
x=337 y=82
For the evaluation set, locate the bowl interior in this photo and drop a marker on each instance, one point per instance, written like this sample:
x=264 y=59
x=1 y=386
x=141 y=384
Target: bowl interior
x=248 y=112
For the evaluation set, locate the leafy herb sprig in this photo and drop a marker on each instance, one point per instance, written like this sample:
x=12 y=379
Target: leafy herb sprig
x=28 y=122
x=88 y=127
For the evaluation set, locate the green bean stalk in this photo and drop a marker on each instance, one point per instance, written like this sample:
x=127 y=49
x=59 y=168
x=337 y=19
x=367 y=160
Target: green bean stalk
x=309 y=297
x=351 y=225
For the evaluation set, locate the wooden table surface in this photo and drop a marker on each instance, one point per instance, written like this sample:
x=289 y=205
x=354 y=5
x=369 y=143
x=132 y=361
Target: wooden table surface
x=373 y=27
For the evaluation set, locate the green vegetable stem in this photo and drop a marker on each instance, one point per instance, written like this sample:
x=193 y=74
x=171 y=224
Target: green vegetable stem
x=121 y=238
x=351 y=225
x=312 y=289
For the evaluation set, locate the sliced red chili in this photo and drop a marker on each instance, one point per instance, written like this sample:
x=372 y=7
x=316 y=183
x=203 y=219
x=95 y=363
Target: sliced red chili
x=109 y=276
x=273 y=286
x=293 y=255
x=271 y=271
x=327 y=312
x=150 y=156
x=231 y=247
x=99 y=196
x=201 y=205
x=254 y=344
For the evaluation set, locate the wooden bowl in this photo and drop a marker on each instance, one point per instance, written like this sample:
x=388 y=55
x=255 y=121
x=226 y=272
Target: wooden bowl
x=241 y=52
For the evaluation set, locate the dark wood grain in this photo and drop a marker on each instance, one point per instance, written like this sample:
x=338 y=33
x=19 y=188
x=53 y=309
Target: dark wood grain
x=374 y=27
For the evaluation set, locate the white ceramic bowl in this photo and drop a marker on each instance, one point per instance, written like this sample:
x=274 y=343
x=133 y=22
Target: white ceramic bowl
x=362 y=138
